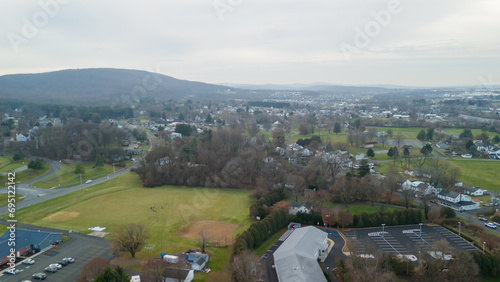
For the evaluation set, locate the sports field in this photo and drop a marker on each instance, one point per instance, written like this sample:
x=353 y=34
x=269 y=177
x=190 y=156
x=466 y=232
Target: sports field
x=181 y=212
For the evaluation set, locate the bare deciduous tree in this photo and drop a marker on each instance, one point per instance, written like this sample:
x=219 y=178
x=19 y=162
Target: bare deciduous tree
x=203 y=240
x=131 y=238
x=245 y=268
x=434 y=213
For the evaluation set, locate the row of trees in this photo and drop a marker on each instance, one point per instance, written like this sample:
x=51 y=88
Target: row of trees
x=260 y=231
x=259 y=207
x=396 y=217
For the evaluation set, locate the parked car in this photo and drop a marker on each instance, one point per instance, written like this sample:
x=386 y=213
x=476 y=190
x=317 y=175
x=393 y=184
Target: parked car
x=467 y=156
x=29 y=261
x=51 y=269
x=69 y=259
x=39 y=276
x=496 y=223
x=62 y=262
x=12 y=271
x=483 y=219
x=56 y=265
x=491 y=225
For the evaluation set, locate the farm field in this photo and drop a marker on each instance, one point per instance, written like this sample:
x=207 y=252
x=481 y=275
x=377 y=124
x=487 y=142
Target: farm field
x=181 y=212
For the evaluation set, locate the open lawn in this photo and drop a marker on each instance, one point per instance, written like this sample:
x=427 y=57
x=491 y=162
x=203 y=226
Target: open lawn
x=66 y=177
x=8 y=165
x=28 y=174
x=4 y=198
x=123 y=200
x=457 y=131
x=483 y=174
x=407 y=132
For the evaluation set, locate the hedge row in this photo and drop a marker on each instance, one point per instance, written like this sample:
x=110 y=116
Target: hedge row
x=396 y=217
x=260 y=231
x=489 y=265
x=257 y=209
x=308 y=219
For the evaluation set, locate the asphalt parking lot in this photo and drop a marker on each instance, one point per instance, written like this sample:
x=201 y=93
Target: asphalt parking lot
x=82 y=248
x=406 y=241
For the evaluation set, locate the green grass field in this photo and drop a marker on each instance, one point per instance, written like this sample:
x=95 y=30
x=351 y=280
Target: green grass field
x=482 y=174
x=8 y=165
x=66 y=176
x=28 y=174
x=457 y=131
x=4 y=197
x=123 y=200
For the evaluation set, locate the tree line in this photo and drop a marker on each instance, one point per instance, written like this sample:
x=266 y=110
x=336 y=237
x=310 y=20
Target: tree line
x=260 y=231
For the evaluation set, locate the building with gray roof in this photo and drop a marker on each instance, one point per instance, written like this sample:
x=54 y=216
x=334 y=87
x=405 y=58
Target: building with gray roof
x=296 y=260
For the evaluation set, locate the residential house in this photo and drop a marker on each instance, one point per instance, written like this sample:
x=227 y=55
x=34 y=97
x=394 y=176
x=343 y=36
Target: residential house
x=20 y=137
x=197 y=260
x=305 y=207
x=474 y=191
x=296 y=260
x=174 y=135
x=178 y=275
x=456 y=200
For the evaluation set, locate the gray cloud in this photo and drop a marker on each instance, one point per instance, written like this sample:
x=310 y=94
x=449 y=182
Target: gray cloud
x=448 y=42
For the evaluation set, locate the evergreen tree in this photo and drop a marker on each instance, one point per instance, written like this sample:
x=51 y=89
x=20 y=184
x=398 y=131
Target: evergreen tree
x=336 y=128
x=79 y=169
x=421 y=135
x=98 y=160
x=430 y=133
x=390 y=153
x=370 y=153
x=113 y=275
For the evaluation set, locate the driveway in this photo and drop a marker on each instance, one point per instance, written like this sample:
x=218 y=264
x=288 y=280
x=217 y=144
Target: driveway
x=336 y=252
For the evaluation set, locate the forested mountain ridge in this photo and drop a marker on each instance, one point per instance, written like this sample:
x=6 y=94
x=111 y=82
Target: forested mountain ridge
x=103 y=86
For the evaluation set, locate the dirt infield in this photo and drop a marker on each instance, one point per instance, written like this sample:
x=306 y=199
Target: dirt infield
x=217 y=231
x=61 y=216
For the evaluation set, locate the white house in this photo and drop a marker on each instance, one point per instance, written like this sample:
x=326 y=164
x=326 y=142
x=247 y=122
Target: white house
x=456 y=200
x=296 y=260
x=174 y=135
x=474 y=191
x=297 y=207
x=22 y=137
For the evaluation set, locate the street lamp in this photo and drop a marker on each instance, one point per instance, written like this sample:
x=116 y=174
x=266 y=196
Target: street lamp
x=459 y=224
x=420 y=229
x=383 y=224
x=483 y=246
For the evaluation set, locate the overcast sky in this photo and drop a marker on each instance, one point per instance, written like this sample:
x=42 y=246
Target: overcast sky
x=415 y=43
